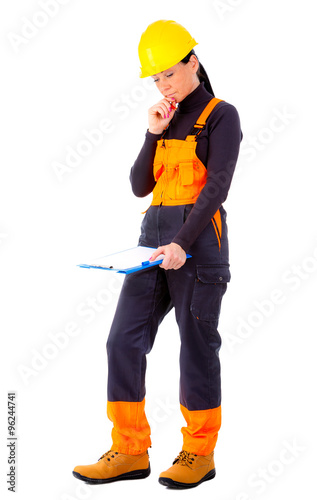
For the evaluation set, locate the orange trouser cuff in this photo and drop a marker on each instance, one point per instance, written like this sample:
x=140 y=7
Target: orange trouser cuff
x=200 y=435
x=131 y=430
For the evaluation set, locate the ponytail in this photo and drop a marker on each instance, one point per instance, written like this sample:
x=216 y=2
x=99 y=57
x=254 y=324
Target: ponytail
x=201 y=73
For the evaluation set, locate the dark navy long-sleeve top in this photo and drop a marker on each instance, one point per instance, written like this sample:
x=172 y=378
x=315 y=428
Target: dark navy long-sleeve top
x=217 y=147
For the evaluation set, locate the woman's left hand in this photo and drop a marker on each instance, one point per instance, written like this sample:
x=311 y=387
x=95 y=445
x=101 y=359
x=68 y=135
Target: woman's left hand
x=175 y=256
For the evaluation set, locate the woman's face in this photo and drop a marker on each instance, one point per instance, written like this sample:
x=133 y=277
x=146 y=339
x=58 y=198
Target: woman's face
x=179 y=80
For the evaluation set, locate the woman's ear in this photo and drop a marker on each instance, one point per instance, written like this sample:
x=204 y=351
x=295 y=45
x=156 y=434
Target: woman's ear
x=194 y=63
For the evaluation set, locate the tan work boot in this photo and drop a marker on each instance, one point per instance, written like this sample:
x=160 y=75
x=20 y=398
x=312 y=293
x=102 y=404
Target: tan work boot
x=189 y=470
x=114 y=466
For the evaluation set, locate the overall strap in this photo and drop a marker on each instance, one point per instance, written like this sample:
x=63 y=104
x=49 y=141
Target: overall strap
x=201 y=121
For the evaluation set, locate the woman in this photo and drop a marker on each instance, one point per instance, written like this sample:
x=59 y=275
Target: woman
x=187 y=160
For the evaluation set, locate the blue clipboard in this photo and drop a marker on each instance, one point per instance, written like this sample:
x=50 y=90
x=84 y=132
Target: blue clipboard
x=127 y=261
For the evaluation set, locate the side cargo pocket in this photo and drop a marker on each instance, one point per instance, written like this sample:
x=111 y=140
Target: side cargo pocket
x=209 y=288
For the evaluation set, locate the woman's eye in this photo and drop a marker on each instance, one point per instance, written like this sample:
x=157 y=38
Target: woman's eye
x=167 y=76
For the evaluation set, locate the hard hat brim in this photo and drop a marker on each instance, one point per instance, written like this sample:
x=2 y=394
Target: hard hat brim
x=154 y=68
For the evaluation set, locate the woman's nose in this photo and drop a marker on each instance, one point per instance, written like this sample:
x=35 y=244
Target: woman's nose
x=164 y=87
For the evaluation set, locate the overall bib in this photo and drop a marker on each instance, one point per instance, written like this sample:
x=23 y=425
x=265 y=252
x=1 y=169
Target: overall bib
x=195 y=292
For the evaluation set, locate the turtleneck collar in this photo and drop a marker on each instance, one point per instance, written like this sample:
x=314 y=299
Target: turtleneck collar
x=194 y=100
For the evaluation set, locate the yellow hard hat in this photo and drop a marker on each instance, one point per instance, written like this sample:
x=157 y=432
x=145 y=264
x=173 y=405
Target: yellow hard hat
x=162 y=45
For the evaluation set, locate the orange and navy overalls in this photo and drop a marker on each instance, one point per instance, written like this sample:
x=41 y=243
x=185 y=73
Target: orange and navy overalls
x=195 y=292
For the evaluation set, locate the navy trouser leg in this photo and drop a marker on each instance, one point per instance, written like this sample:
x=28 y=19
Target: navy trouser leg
x=196 y=290
x=144 y=301
x=197 y=308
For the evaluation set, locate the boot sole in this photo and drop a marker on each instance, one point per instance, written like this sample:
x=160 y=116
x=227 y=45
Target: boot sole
x=135 y=474
x=167 y=481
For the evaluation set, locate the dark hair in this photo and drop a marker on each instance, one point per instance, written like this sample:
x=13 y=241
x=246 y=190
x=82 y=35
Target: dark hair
x=201 y=73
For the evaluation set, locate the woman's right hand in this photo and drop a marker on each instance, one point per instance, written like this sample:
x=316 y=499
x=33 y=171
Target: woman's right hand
x=160 y=115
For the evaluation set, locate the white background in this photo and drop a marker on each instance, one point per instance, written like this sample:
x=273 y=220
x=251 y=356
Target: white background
x=64 y=78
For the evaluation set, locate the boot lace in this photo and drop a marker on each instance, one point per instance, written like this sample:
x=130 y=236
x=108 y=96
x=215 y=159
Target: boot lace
x=184 y=458
x=109 y=454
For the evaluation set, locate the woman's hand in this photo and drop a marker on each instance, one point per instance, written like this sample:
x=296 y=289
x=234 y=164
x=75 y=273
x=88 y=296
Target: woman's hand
x=160 y=115
x=175 y=256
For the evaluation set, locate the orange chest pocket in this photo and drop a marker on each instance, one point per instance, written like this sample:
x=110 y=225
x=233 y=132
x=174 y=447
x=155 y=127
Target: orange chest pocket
x=186 y=173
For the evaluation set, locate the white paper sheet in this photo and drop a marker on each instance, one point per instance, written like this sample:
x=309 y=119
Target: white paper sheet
x=127 y=259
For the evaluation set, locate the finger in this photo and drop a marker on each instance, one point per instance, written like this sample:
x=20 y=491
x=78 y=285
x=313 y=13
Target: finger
x=166 y=103
x=164 y=113
x=167 y=110
x=170 y=106
x=177 y=263
x=166 y=263
x=171 y=103
x=166 y=107
x=178 y=266
x=169 y=99
x=159 y=251
x=158 y=110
